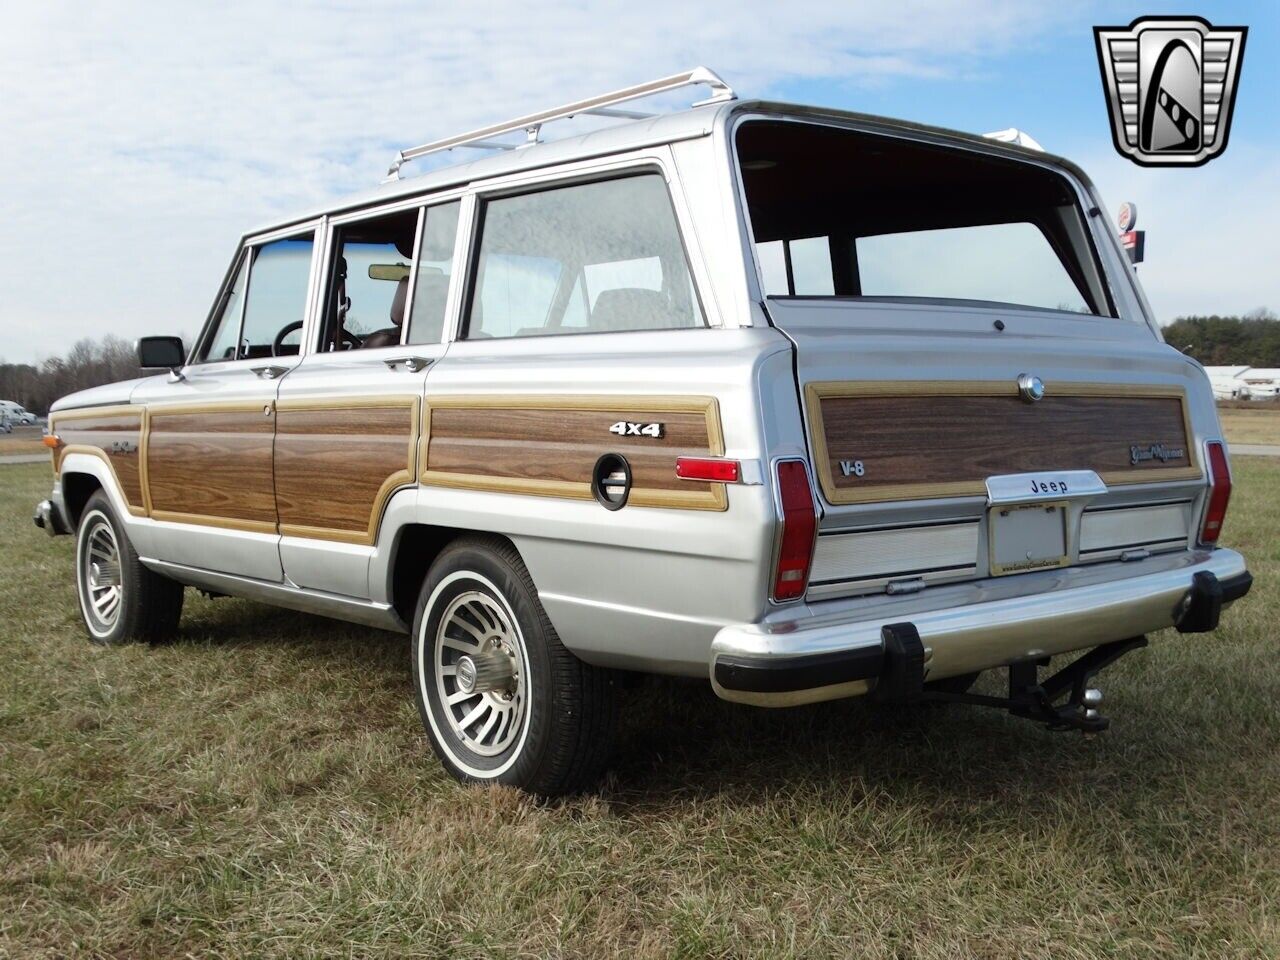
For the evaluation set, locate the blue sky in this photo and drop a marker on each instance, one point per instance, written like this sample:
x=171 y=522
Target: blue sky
x=1049 y=84
x=142 y=137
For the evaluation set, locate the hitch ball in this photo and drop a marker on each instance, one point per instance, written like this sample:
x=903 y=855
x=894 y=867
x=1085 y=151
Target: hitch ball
x=1092 y=698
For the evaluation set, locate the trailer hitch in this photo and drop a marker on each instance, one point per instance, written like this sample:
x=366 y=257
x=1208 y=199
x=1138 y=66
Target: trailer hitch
x=1036 y=699
x=902 y=681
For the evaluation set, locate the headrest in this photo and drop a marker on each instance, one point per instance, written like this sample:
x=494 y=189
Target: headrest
x=397 y=302
x=632 y=308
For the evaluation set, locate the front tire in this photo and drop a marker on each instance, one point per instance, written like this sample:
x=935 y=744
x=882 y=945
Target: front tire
x=501 y=698
x=121 y=601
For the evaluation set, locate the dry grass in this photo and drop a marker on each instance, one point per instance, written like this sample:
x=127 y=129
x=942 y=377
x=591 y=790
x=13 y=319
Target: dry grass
x=22 y=440
x=1261 y=424
x=262 y=788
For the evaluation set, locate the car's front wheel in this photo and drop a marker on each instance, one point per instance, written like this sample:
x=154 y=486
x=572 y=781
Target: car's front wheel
x=501 y=698
x=121 y=601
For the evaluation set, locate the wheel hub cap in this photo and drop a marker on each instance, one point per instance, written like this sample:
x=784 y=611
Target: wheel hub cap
x=101 y=584
x=479 y=678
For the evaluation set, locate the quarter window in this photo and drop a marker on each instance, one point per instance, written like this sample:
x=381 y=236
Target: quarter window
x=590 y=258
x=435 y=265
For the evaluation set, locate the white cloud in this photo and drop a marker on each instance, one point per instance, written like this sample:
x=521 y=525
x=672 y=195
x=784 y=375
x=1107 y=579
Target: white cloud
x=141 y=139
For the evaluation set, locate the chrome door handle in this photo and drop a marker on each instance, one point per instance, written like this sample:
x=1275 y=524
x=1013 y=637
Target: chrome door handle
x=412 y=364
x=269 y=372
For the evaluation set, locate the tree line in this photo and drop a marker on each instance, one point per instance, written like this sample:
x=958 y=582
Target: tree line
x=1252 y=340
x=89 y=363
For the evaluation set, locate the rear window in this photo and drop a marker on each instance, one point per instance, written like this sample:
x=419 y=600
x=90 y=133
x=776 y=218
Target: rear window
x=838 y=213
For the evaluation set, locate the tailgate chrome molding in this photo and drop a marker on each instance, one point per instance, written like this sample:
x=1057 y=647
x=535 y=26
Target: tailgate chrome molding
x=976 y=626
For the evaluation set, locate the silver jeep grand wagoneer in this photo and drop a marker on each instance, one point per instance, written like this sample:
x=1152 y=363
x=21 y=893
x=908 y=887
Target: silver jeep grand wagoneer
x=808 y=403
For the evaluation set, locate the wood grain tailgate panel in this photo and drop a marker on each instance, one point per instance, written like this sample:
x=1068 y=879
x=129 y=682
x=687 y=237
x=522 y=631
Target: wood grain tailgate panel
x=932 y=444
x=549 y=446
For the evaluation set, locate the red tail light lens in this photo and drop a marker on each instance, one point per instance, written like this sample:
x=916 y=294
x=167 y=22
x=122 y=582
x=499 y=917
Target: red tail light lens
x=1219 y=492
x=799 y=527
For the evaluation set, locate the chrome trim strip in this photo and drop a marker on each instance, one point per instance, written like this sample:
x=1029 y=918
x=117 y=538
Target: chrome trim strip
x=968 y=627
x=380 y=615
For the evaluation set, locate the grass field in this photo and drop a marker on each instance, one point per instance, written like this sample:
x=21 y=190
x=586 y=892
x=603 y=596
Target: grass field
x=262 y=788
x=1244 y=425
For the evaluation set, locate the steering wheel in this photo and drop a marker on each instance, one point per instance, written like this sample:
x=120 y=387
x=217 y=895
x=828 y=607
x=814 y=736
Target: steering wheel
x=278 y=343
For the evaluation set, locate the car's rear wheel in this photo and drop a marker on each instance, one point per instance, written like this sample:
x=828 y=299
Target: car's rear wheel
x=501 y=698
x=121 y=601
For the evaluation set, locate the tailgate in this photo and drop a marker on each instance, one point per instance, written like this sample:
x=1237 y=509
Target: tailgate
x=907 y=425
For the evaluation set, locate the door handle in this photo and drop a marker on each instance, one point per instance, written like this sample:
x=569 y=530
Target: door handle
x=269 y=372
x=412 y=364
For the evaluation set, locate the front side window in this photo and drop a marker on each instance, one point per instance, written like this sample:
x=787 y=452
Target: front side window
x=262 y=311
x=589 y=258
x=277 y=298
x=841 y=213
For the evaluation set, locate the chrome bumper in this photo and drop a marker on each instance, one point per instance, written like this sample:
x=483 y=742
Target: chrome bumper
x=50 y=519
x=968 y=627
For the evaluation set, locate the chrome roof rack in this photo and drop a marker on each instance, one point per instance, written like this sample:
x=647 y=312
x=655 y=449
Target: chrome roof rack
x=602 y=106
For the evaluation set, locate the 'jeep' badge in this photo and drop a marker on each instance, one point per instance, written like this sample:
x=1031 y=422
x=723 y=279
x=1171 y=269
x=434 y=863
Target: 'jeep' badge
x=1170 y=84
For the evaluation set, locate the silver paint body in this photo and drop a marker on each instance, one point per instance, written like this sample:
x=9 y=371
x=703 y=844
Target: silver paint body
x=663 y=590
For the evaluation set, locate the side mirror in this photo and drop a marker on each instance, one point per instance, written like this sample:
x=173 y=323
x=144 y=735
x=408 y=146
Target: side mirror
x=161 y=353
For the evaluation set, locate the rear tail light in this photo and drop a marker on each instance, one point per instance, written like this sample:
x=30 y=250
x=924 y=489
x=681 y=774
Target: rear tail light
x=1219 y=492
x=799 y=528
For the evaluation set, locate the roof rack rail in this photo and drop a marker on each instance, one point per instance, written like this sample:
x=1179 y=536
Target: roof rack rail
x=602 y=106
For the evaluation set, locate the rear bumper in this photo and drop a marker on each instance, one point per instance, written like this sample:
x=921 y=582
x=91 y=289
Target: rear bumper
x=970 y=627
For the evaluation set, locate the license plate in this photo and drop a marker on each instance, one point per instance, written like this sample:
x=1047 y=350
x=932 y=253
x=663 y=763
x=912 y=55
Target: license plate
x=1027 y=537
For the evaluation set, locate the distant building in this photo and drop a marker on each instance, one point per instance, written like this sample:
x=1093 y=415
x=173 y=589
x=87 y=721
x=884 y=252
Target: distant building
x=1244 y=383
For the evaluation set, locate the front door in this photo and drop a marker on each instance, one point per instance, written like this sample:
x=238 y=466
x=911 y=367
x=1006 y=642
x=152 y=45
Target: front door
x=209 y=479
x=349 y=417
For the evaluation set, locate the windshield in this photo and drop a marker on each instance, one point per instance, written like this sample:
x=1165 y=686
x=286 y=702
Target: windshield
x=839 y=213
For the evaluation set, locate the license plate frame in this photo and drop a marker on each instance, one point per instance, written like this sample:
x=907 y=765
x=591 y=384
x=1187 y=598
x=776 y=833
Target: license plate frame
x=1025 y=537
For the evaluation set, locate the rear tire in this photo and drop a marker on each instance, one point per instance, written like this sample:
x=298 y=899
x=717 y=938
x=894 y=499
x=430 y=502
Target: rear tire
x=522 y=710
x=121 y=601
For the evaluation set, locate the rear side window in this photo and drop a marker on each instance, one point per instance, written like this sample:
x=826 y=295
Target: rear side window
x=589 y=258
x=841 y=213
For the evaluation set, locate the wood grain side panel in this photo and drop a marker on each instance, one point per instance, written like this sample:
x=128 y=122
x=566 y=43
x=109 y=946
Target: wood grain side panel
x=335 y=467
x=115 y=437
x=214 y=465
x=952 y=443
x=552 y=451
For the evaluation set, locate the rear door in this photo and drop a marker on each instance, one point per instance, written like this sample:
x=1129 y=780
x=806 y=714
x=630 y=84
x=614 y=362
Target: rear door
x=918 y=286
x=350 y=416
